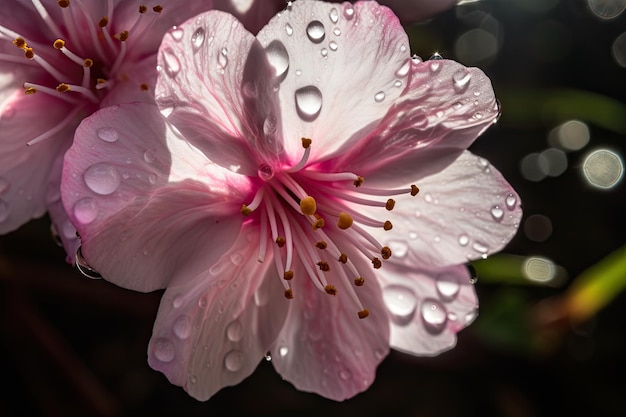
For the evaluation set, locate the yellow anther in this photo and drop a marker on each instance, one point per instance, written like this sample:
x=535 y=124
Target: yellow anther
x=359 y=181
x=359 y=281
x=344 y=221
x=306 y=142
x=387 y=225
x=29 y=53
x=20 y=43
x=88 y=63
x=323 y=266
x=385 y=252
x=288 y=275
x=289 y=294
x=343 y=258
x=144 y=87
x=414 y=190
x=377 y=263
x=30 y=90
x=143 y=9
x=103 y=22
x=390 y=204
x=308 y=206
x=321 y=244
x=330 y=289
x=101 y=81
x=318 y=224
x=244 y=209
x=122 y=36
x=280 y=241
x=158 y=9
x=364 y=313
x=63 y=88
x=63 y=3
x=58 y=44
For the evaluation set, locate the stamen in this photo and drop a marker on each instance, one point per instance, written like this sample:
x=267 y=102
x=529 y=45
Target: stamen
x=289 y=294
x=246 y=210
x=387 y=226
x=143 y=9
x=306 y=144
x=280 y=241
x=377 y=263
x=63 y=88
x=262 y=237
x=321 y=244
x=331 y=176
x=60 y=45
x=63 y=3
x=308 y=206
x=20 y=43
x=29 y=53
x=323 y=266
x=344 y=221
x=343 y=258
x=385 y=252
x=45 y=16
x=359 y=181
x=144 y=87
x=30 y=90
x=330 y=289
x=364 y=313
x=288 y=236
x=318 y=224
x=29 y=87
x=390 y=204
x=70 y=117
x=288 y=275
x=413 y=190
x=157 y=8
x=87 y=64
x=359 y=281
x=103 y=22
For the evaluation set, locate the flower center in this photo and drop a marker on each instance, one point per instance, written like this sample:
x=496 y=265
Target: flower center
x=313 y=217
x=81 y=56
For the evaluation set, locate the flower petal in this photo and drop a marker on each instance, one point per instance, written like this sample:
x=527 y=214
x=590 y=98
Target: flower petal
x=254 y=14
x=336 y=68
x=137 y=225
x=443 y=110
x=467 y=211
x=212 y=330
x=324 y=347
x=411 y=11
x=427 y=307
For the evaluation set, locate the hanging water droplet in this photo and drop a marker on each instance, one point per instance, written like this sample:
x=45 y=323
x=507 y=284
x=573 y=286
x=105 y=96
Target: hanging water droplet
x=222 y=58
x=435 y=57
x=102 y=178
x=85 y=210
x=234 y=331
x=334 y=15
x=5 y=210
x=461 y=80
x=315 y=31
x=379 y=97
x=278 y=58
x=510 y=201
x=171 y=62
x=163 y=349
x=197 y=39
x=401 y=303
x=83 y=267
x=399 y=248
x=497 y=213
x=288 y=29
x=337 y=31
x=416 y=59
x=480 y=247
x=177 y=33
x=464 y=240
x=182 y=327
x=308 y=102
x=333 y=45
x=447 y=286
x=434 y=316
x=108 y=134
x=482 y=163
x=268 y=357
x=348 y=11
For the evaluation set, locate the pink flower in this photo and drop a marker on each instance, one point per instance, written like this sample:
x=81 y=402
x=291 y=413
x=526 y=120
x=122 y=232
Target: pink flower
x=77 y=56
x=278 y=202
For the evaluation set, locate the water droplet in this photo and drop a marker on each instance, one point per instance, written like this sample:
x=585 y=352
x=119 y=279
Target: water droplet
x=471 y=316
x=478 y=115
x=203 y=302
x=149 y=155
x=480 y=247
x=315 y=31
x=397 y=83
x=416 y=59
x=428 y=197
x=461 y=80
x=278 y=58
x=510 y=201
x=412 y=235
x=234 y=331
x=193 y=379
x=222 y=58
x=178 y=301
x=345 y=374
x=177 y=33
x=102 y=178
x=163 y=349
x=197 y=39
x=435 y=67
x=399 y=249
x=497 y=213
x=265 y=172
x=402 y=48
x=152 y=178
x=268 y=357
x=108 y=134
x=288 y=29
x=401 y=303
x=434 y=316
x=333 y=45
x=403 y=71
x=298 y=73
x=5 y=210
x=283 y=351
x=435 y=57
x=337 y=31
x=172 y=64
x=464 y=240
x=457 y=105
x=182 y=327
x=308 y=102
x=324 y=52
x=334 y=15
x=83 y=267
x=348 y=11
x=85 y=210
x=379 y=97
x=447 y=286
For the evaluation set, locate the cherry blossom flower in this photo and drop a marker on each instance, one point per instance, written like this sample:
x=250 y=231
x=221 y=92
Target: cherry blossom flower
x=77 y=56
x=306 y=192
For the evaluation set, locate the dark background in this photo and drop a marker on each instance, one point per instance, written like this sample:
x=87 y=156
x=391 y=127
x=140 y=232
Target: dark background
x=73 y=346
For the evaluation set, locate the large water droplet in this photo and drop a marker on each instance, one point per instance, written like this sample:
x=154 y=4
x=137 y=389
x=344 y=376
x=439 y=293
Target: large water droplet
x=233 y=360
x=497 y=213
x=447 y=286
x=177 y=33
x=171 y=62
x=334 y=15
x=182 y=327
x=401 y=303
x=222 y=58
x=278 y=58
x=197 y=39
x=163 y=349
x=315 y=31
x=510 y=201
x=434 y=316
x=5 y=210
x=379 y=97
x=399 y=249
x=108 y=134
x=83 y=267
x=461 y=80
x=102 y=178
x=234 y=331
x=85 y=210
x=308 y=102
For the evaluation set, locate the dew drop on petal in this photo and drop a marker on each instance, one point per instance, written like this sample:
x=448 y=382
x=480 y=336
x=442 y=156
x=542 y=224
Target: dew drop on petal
x=182 y=327
x=202 y=302
x=344 y=374
x=435 y=67
x=403 y=71
x=149 y=155
x=197 y=39
x=324 y=52
x=308 y=102
x=315 y=31
x=337 y=31
x=399 y=249
x=333 y=45
x=278 y=58
x=4 y=210
x=480 y=248
x=177 y=33
x=172 y=64
x=379 y=97
x=434 y=316
x=447 y=286
x=222 y=58
x=102 y=178
x=334 y=15
x=401 y=303
x=85 y=210
x=234 y=331
x=435 y=57
x=288 y=29
x=461 y=80
x=348 y=11
x=283 y=351
x=463 y=240
x=510 y=201
x=497 y=213
x=108 y=134
x=163 y=349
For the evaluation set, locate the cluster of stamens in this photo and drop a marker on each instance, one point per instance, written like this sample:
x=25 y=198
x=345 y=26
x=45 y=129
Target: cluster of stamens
x=107 y=52
x=301 y=232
